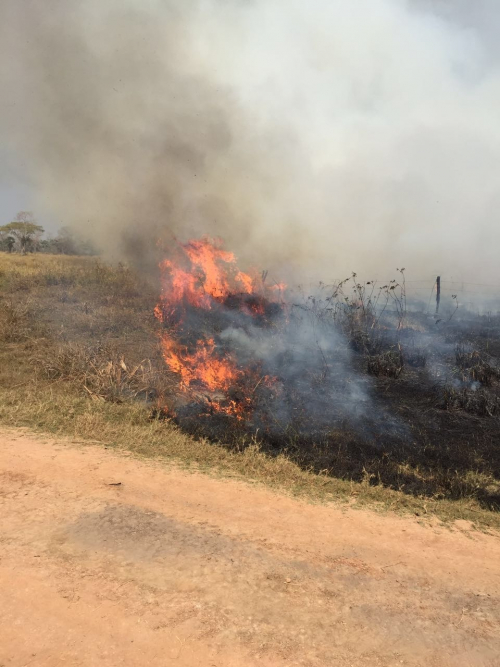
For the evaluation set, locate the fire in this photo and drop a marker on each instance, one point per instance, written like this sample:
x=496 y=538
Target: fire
x=202 y=367
x=208 y=276
x=203 y=293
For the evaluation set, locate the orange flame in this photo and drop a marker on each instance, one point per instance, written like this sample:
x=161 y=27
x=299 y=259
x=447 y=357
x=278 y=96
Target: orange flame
x=202 y=368
x=207 y=278
x=203 y=276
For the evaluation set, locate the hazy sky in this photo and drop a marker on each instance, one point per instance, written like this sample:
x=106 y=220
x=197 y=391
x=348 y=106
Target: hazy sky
x=316 y=137
x=14 y=195
x=17 y=193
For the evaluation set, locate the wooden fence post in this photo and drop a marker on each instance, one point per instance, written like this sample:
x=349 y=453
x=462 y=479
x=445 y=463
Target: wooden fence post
x=438 y=293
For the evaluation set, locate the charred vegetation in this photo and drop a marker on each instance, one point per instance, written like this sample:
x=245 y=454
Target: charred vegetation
x=349 y=383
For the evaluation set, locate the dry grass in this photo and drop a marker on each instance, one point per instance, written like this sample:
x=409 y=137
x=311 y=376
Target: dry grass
x=127 y=426
x=476 y=367
x=102 y=374
x=475 y=401
x=14 y=322
x=80 y=358
x=390 y=364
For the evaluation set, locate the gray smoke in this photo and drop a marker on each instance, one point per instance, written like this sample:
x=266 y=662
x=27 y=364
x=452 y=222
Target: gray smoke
x=316 y=138
x=313 y=366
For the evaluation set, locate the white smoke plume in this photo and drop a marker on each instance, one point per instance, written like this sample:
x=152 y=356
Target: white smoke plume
x=316 y=137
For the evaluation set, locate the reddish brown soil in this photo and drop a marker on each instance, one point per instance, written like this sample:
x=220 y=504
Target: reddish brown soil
x=173 y=568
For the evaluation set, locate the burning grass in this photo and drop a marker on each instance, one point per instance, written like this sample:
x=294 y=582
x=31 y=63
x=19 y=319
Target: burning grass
x=84 y=355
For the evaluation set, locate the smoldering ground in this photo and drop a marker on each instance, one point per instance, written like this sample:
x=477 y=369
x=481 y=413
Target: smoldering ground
x=315 y=138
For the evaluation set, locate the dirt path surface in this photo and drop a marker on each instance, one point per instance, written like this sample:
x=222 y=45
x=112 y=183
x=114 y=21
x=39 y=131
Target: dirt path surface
x=173 y=568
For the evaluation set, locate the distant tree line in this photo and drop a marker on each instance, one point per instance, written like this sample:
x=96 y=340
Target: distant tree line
x=24 y=235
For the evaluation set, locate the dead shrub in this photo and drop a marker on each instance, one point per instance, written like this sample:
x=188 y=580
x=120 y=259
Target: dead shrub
x=478 y=402
x=389 y=364
x=365 y=342
x=475 y=367
x=415 y=358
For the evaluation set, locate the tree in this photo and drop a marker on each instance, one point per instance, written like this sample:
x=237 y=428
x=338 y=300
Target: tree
x=23 y=230
x=10 y=242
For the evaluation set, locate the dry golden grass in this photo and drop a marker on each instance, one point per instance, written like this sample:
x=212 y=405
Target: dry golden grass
x=69 y=326
x=51 y=409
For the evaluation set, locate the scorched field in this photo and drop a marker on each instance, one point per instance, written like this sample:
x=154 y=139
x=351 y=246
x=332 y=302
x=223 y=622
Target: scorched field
x=347 y=391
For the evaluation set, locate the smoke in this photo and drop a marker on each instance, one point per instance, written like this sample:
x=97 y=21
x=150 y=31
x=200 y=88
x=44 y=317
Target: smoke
x=314 y=365
x=316 y=138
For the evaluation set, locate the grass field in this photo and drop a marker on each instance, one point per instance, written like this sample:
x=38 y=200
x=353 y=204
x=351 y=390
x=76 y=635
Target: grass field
x=80 y=357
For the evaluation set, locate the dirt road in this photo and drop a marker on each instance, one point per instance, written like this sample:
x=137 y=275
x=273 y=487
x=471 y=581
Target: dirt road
x=173 y=568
